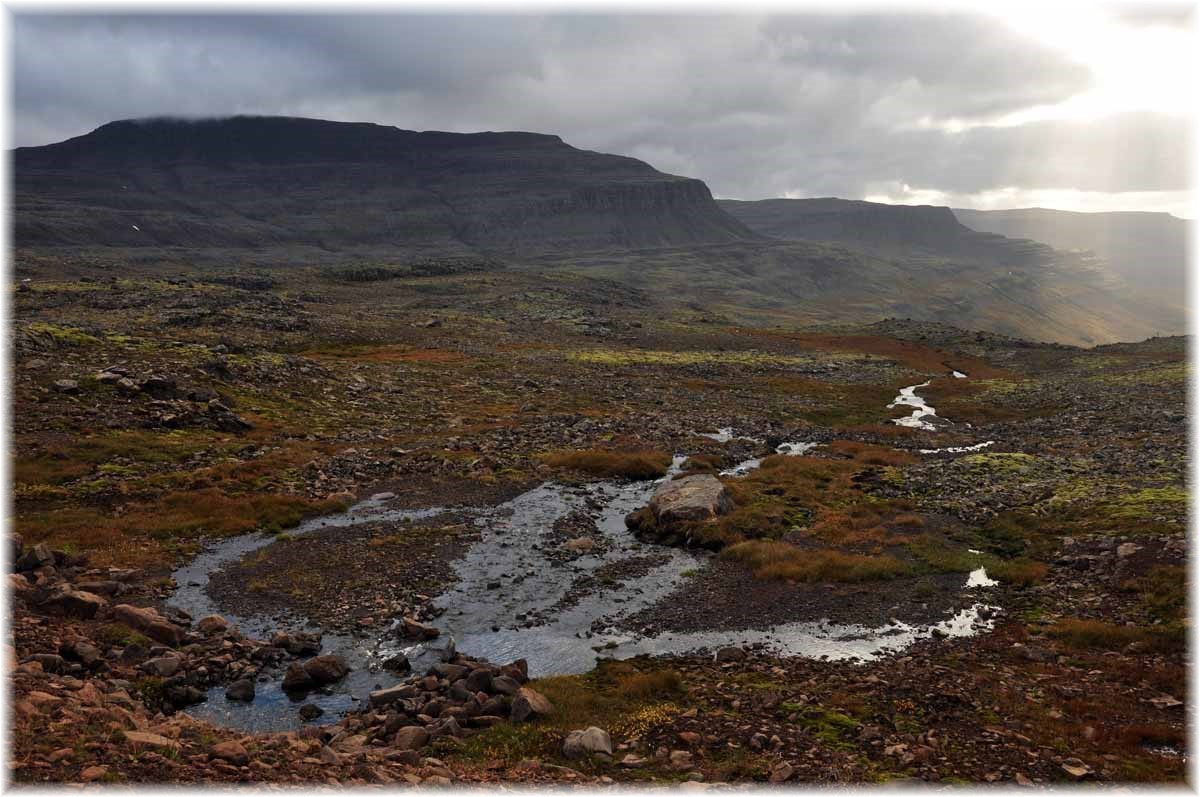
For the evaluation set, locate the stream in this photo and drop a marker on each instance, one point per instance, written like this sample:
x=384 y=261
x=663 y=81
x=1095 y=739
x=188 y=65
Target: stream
x=514 y=598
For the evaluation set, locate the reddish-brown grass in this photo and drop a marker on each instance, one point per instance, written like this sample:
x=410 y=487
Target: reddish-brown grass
x=613 y=464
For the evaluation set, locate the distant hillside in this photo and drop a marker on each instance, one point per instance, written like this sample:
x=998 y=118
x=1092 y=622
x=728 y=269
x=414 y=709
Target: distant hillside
x=250 y=192
x=1148 y=250
x=1015 y=286
x=904 y=229
x=277 y=182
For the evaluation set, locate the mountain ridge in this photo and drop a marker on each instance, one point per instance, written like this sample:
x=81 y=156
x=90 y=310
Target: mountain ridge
x=271 y=181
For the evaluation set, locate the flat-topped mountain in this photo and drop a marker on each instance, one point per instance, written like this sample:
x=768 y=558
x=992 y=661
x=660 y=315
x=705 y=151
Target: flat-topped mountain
x=274 y=181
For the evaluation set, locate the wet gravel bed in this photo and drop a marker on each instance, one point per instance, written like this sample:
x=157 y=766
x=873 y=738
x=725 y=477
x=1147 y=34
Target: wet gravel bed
x=726 y=596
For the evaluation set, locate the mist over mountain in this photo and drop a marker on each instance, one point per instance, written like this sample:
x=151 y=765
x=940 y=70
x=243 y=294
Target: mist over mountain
x=1148 y=250
x=880 y=227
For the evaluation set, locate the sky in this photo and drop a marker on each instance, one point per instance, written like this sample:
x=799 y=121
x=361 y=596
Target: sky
x=1078 y=107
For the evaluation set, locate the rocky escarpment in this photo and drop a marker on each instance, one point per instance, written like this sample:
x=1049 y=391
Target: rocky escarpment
x=280 y=182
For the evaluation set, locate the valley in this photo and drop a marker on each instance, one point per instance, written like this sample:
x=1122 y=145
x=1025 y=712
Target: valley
x=340 y=485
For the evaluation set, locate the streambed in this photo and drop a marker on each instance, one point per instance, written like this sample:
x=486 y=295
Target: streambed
x=515 y=597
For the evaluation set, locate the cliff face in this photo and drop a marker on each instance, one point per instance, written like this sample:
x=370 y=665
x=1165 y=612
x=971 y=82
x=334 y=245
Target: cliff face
x=266 y=181
x=847 y=220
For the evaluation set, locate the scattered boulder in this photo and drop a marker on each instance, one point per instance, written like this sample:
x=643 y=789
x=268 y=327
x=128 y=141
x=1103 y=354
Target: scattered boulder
x=163 y=666
x=154 y=740
x=298 y=644
x=317 y=671
x=579 y=744
x=37 y=556
x=678 y=503
x=729 y=654
x=529 y=704
x=699 y=497
x=413 y=737
x=231 y=751
x=681 y=760
x=212 y=624
x=414 y=629
x=150 y=623
x=398 y=663
x=385 y=697
x=326 y=669
x=71 y=602
x=92 y=774
x=310 y=711
x=67 y=386
x=242 y=690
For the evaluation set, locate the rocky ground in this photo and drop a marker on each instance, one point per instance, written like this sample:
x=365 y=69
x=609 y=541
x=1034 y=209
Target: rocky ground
x=178 y=404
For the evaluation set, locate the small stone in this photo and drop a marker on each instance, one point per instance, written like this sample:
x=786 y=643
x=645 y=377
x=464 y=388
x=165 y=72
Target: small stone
x=212 y=624
x=231 y=751
x=1076 y=768
x=680 y=760
x=397 y=663
x=310 y=711
x=163 y=666
x=143 y=739
x=92 y=774
x=729 y=654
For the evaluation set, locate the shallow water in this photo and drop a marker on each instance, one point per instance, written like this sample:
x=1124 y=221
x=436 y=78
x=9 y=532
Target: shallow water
x=514 y=599
x=787 y=449
x=272 y=708
x=725 y=434
x=908 y=398
x=958 y=449
x=979 y=578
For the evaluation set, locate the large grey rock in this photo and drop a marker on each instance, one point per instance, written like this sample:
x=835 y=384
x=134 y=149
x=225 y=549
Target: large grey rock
x=700 y=497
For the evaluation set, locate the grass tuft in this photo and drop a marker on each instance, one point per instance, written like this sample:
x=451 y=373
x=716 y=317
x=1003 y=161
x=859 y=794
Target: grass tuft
x=779 y=560
x=638 y=465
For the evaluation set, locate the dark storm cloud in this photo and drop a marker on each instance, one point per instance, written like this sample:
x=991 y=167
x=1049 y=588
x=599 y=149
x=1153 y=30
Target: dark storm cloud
x=757 y=106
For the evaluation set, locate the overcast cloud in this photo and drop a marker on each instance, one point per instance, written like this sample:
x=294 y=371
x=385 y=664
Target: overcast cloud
x=888 y=106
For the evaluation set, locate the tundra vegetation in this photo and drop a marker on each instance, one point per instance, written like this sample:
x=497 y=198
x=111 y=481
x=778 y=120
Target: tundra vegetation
x=170 y=406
